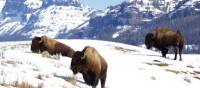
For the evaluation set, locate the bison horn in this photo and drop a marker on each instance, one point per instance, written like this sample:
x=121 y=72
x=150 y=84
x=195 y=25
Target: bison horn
x=82 y=56
x=151 y=34
x=40 y=41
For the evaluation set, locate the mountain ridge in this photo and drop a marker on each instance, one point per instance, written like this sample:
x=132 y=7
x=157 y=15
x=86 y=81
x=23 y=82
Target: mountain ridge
x=127 y=22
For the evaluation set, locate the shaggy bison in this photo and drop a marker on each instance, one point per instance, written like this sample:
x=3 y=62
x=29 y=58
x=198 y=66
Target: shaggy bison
x=43 y=43
x=163 y=39
x=92 y=66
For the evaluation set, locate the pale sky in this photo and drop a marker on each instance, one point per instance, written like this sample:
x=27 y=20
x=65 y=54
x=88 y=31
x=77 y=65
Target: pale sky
x=101 y=4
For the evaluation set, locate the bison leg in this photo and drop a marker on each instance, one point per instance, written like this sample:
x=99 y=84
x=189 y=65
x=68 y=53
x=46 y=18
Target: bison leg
x=164 y=52
x=175 y=51
x=180 y=52
x=94 y=79
x=96 y=82
x=91 y=79
x=93 y=86
x=87 y=79
x=103 y=81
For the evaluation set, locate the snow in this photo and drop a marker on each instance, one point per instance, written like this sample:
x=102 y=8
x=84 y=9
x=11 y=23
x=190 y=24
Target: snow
x=100 y=13
x=128 y=67
x=2 y=3
x=192 y=46
x=115 y=35
x=156 y=6
x=121 y=29
x=33 y=4
x=57 y=18
x=9 y=27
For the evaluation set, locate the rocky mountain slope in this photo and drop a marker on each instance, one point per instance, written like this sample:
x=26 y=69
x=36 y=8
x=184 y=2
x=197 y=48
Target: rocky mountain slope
x=130 y=21
x=25 y=19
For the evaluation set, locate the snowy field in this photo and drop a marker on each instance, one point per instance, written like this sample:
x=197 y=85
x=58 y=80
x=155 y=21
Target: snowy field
x=128 y=67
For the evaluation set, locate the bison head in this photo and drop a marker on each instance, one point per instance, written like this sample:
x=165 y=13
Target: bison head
x=149 y=40
x=78 y=62
x=37 y=44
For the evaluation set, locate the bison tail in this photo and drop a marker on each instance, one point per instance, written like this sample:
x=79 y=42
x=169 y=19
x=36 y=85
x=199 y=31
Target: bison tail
x=178 y=32
x=180 y=39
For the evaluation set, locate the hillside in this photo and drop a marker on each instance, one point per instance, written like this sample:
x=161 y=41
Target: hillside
x=129 y=67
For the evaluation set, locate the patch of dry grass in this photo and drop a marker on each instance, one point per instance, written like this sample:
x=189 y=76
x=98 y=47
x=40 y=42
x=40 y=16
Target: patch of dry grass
x=173 y=71
x=20 y=85
x=187 y=80
x=48 y=55
x=196 y=72
x=71 y=80
x=189 y=66
x=17 y=84
x=8 y=62
x=124 y=49
x=153 y=78
x=197 y=77
x=161 y=64
x=24 y=85
x=156 y=61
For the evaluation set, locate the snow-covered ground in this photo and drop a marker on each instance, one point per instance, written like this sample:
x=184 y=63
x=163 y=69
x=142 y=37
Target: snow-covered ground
x=128 y=67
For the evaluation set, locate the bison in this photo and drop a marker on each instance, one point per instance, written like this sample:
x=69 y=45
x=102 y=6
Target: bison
x=92 y=66
x=43 y=43
x=163 y=39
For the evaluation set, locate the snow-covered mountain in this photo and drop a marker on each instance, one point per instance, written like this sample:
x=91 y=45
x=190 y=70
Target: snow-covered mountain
x=128 y=67
x=129 y=21
x=127 y=18
x=28 y=18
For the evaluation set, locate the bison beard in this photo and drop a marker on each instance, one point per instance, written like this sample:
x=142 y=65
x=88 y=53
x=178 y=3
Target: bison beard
x=91 y=64
x=163 y=38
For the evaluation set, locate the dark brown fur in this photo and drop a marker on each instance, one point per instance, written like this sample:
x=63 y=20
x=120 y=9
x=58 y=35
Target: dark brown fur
x=92 y=66
x=35 y=46
x=163 y=39
x=40 y=44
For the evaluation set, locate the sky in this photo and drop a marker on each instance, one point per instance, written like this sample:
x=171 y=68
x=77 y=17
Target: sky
x=101 y=4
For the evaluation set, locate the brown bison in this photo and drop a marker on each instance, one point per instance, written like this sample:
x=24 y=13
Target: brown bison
x=163 y=39
x=43 y=43
x=92 y=66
